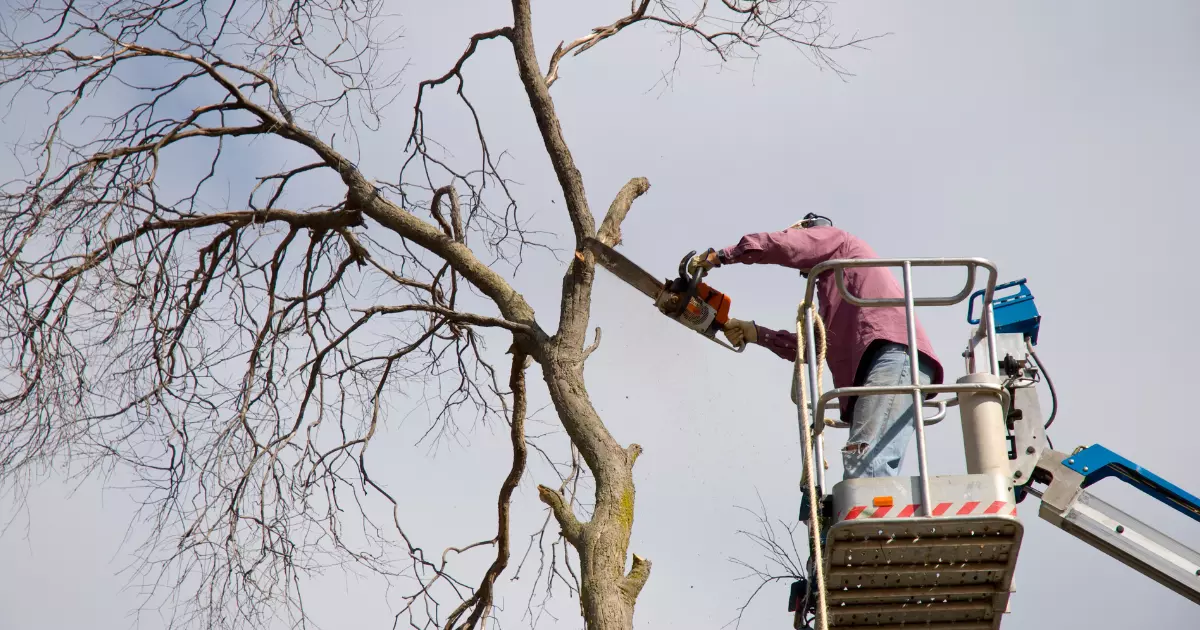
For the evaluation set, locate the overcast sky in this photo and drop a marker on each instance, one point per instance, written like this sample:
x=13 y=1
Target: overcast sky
x=1057 y=139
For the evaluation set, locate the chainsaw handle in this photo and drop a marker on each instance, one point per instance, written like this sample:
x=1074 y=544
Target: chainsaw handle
x=683 y=271
x=692 y=292
x=693 y=284
x=727 y=346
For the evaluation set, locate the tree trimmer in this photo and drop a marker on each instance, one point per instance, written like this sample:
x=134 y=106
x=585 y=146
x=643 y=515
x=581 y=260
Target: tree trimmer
x=685 y=299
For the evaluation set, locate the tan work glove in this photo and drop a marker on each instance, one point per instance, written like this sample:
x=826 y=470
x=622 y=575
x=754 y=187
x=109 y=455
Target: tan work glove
x=705 y=261
x=738 y=332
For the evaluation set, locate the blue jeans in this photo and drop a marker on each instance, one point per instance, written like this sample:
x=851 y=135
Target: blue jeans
x=882 y=425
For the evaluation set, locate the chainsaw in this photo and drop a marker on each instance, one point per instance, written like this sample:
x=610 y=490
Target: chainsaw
x=686 y=299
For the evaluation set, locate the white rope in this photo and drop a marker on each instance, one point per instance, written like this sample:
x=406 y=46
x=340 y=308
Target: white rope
x=809 y=475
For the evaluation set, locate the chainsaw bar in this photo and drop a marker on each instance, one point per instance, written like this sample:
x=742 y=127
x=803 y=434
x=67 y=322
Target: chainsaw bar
x=626 y=270
x=698 y=316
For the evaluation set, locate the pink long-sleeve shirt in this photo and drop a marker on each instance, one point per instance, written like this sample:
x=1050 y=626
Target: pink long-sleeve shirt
x=850 y=330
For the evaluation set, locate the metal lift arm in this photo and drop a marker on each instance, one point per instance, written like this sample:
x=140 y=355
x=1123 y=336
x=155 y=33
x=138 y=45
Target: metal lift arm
x=1096 y=463
x=1066 y=505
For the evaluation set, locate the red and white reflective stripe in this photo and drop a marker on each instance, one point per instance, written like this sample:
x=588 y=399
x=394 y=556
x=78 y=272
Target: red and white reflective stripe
x=967 y=508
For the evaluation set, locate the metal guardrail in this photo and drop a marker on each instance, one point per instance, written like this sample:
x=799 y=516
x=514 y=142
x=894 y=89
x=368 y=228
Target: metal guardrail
x=817 y=400
x=941 y=405
x=876 y=390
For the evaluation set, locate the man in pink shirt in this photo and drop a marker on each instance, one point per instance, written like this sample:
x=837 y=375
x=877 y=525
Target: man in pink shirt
x=864 y=346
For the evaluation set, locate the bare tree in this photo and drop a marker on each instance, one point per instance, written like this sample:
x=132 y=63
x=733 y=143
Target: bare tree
x=232 y=336
x=780 y=561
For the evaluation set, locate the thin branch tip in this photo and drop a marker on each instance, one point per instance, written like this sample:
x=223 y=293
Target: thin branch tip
x=595 y=344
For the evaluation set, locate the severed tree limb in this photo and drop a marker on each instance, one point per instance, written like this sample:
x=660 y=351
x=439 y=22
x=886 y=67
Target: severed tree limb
x=631 y=585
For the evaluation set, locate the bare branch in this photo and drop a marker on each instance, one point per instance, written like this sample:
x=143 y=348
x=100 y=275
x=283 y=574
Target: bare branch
x=481 y=602
x=456 y=71
x=569 y=177
x=587 y=352
x=455 y=228
x=597 y=35
x=572 y=529
x=732 y=28
x=782 y=556
x=610 y=228
x=466 y=318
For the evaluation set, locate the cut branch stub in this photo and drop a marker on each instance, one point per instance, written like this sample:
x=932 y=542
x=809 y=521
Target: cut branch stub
x=610 y=228
x=633 y=452
x=572 y=529
x=632 y=583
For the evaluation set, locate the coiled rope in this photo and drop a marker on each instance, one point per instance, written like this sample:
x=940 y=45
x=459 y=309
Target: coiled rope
x=808 y=479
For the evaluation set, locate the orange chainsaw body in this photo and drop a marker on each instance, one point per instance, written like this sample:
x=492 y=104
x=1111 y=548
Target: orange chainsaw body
x=714 y=298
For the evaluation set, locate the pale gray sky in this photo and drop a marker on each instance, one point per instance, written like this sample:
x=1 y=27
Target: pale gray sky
x=1057 y=139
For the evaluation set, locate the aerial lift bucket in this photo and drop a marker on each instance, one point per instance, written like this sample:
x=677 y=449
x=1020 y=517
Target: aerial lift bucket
x=939 y=552
x=948 y=571
x=889 y=561
x=934 y=551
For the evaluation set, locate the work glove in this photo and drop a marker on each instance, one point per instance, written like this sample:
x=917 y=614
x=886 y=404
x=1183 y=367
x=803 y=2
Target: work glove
x=739 y=332
x=706 y=261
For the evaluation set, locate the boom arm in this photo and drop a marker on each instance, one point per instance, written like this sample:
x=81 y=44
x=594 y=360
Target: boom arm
x=1065 y=502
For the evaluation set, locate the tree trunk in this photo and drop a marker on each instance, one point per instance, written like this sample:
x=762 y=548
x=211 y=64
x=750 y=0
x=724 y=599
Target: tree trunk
x=607 y=602
x=608 y=593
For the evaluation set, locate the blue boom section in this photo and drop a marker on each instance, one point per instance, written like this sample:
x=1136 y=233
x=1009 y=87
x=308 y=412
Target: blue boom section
x=1015 y=313
x=1096 y=463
